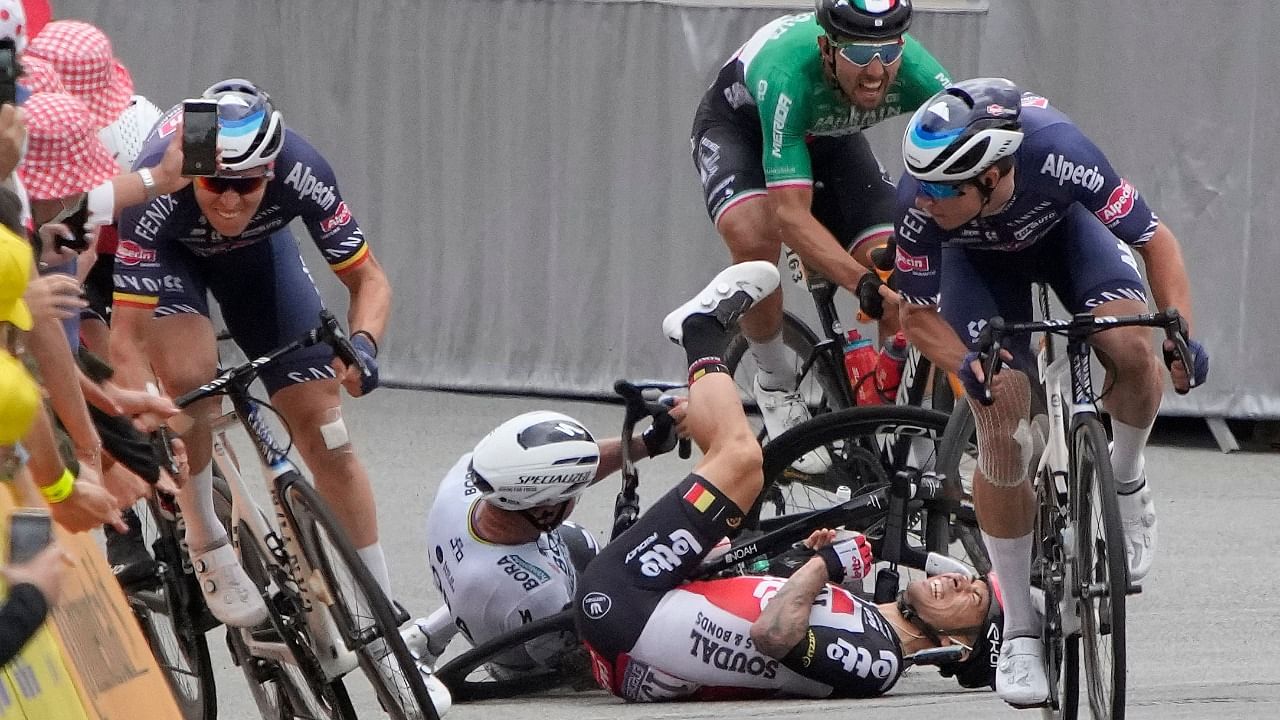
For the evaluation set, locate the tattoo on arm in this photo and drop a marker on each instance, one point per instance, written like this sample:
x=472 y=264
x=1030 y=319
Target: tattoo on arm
x=784 y=620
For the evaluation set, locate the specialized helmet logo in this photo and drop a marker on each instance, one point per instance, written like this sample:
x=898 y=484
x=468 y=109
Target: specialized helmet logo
x=940 y=109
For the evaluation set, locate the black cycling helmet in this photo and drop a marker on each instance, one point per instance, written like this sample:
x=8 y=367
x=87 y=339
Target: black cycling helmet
x=845 y=20
x=979 y=668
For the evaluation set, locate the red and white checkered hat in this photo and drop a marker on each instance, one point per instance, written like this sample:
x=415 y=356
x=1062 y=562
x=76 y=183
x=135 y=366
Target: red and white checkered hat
x=40 y=76
x=13 y=23
x=82 y=55
x=64 y=155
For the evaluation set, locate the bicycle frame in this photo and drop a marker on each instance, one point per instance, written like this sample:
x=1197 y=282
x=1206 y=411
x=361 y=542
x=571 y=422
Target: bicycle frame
x=282 y=547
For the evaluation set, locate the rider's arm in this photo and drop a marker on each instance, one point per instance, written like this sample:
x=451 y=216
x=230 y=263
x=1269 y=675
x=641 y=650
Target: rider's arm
x=370 y=297
x=932 y=335
x=783 y=622
x=1166 y=272
x=611 y=455
x=815 y=244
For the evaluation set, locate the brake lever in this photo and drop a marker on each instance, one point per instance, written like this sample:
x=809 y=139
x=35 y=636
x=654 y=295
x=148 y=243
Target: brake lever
x=341 y=344
x=1175 y=329
x=989 y=346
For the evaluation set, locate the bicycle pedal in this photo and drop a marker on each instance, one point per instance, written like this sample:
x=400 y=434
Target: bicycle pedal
x=1134 y=589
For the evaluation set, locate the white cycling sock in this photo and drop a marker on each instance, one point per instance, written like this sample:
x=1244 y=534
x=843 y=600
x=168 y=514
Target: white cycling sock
x=376 y=561
x=1011 y=561
x=773 y=363
x=196 y=500
x=1127 y=460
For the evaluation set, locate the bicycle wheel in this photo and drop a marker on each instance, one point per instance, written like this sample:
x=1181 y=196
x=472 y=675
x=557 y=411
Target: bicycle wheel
x=1049 y=574
x=867 y=446
x=820 y=386
x=479 y=673
x=360 y=609
x=283 y=690
x=1101 y=569
x=957 y=463
x=170 y=613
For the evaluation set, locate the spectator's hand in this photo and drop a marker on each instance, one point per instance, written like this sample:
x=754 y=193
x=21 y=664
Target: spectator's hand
x=13 y=132
x=168 y=174
x=54 y=297
x=148 y=411
x=1182 y=381
x=44 y=571
x=89 y=506
x=169 y=483
x=52 y=254
x=350 y=377
x=126 y=487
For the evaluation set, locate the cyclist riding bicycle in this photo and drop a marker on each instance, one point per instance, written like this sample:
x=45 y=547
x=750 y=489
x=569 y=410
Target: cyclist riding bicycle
x=1001 y=190
x=228 y=235
x=778 y=144
x=653 y=635
x=501 y=551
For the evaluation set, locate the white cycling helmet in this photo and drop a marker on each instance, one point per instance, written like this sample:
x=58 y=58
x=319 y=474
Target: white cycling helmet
x=533 y=460
x=963 y=130
x=125 y=136
x=250 y=129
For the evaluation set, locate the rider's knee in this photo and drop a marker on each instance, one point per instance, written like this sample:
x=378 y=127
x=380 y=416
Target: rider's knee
x=1128 y=351
x=1007 y=440
x=327 y=436
x=741 y=451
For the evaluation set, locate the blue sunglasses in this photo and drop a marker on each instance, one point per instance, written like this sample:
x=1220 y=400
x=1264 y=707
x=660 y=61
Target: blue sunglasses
x=939 y=191
x=861 y=54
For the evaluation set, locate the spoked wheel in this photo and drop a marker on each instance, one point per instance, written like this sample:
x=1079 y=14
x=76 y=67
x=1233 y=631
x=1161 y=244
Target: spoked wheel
x=285 y=690
x=867 y=446
x=365 y=617
x=820 y=385
x=1051 y=573
x=172 y=621
x=1101 y=570
x=493 y=669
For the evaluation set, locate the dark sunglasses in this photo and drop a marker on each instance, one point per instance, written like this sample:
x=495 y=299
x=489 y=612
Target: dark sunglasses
x=237 y=185
x=939 y=191
x=861 y=54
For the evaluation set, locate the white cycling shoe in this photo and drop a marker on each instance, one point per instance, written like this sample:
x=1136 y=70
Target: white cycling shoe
x=1138 y=519
x=230 y=594
x=1020 y=678
x=726 y=297
x=781 y=411
x=420 y=647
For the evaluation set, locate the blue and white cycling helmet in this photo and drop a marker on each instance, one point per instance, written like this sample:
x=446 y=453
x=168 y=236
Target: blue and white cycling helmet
x=963 y=130
x=250 y=129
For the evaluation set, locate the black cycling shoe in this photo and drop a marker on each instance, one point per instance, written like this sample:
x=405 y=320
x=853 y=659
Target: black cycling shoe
x=127 y=554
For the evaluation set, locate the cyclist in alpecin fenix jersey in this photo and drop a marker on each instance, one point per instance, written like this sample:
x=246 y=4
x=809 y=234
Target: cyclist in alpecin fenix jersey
x=778 y=145
x=228 y=236
x=655 y=636
x=1002 y=190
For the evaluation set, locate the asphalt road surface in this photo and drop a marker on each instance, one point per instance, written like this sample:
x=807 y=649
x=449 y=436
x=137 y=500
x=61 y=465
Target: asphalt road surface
x=1198 y=634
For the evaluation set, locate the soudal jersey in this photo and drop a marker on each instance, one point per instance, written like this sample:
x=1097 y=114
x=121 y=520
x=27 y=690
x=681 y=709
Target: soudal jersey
x=303 y=187
x=1056 y=166
x=776 y=82
x=697 y=644
x=491 y=589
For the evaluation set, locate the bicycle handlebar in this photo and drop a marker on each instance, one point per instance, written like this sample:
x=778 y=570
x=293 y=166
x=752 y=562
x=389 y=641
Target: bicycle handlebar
x=640 y=407
x=329 y=332
x=990 y=342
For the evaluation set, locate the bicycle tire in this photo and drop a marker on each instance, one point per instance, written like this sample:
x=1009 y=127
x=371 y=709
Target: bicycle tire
x=823 y=394
x=300 y=690
x=174 y=633
x=1101 y=569
x=459 y=674
x=1049 y=574
x=867 y=426
x=377 y=646
x=957 y=462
